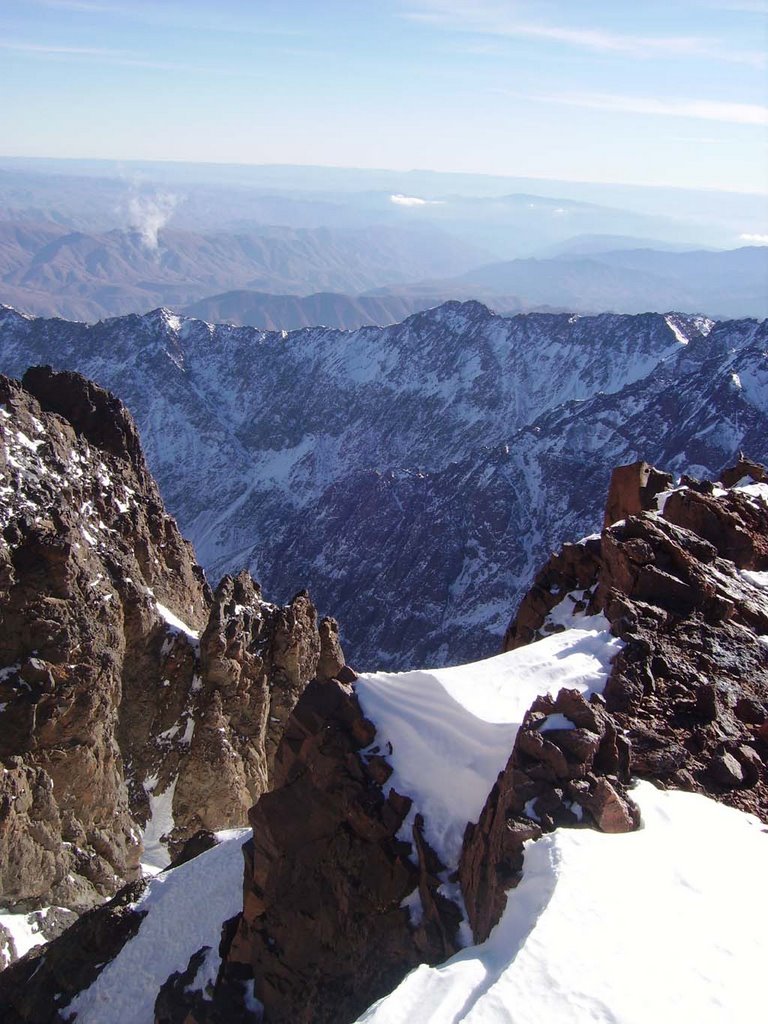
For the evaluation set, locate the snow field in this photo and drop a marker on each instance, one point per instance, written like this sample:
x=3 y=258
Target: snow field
x=452 y=730
x=662 y=925
x=185 y=909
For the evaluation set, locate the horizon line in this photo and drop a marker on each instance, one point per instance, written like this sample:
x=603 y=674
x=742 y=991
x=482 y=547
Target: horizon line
x=388 y=170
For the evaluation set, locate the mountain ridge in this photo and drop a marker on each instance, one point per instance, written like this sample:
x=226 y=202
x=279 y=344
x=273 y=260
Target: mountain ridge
x=449 y=432
x=137 y=705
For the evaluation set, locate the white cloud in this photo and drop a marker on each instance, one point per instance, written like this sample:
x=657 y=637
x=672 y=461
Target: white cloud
x=148 y=214
x=704 y=110
x=754 y=239
x=493 y=18
x=400 y=200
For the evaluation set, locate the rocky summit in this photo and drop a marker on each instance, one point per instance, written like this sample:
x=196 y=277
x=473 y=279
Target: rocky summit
x=413 y=477
x=137 y=706
x=386 y=841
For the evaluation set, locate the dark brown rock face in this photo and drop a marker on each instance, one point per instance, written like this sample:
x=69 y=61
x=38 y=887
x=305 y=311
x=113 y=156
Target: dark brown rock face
x=325 y=928
x=686 y=703
x=569 y=766
x=123 y=680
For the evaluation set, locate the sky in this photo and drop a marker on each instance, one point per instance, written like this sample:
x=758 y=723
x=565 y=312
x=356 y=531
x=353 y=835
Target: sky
x=651 y=92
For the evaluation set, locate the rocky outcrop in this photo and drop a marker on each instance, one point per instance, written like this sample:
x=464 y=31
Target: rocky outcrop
x=255 y=660
x=329 y=879
x=340 y=901
x=342 y=895
x=633 y=489
x=569 y=766
x=133 y=701
x=684 y=584
x=682 y=577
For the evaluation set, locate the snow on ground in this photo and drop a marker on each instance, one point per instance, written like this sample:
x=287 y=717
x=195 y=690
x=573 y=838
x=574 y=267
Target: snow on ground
x=25 y=930
x=174 y=622
x=185 y=909
x=159 y=823
x=666 y=924
x=452 y=730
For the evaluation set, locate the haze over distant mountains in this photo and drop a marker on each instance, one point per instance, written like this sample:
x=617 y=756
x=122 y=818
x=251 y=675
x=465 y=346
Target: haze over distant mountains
x=87 y=276
x=262 y=279
x=732 y=283
x=99 y=194
x=290 y=247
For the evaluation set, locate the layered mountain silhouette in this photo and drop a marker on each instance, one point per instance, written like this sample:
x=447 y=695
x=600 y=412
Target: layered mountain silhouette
x=51 y=270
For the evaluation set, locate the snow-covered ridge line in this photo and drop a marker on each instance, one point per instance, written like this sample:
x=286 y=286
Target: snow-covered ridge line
x=690 y=873
x=185 y=908
x=451 y=730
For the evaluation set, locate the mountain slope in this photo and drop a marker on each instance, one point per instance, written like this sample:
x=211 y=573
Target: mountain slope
x=467 y=843
x=430 y=465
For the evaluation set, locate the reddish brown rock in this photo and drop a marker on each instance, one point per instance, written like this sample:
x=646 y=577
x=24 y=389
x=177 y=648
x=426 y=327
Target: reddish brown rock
x=632 y=490
x=107 y=696
x=744 y=468
x=693 y=674
x=573 y=570
x=686 y=703
x=555 y=777
x=325 y=928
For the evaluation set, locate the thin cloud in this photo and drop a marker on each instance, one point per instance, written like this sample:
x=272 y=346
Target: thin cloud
x=492 y=19
x=51 y=49
x=703 y=110
x=117 y=58
x=84 y=6
x=401 y=200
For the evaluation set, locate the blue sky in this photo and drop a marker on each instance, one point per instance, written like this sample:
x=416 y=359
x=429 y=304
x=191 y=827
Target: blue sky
x=650 y=92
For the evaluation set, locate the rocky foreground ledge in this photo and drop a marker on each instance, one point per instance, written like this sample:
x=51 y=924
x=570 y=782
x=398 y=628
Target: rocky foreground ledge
x=136 y=705
x=339 y=859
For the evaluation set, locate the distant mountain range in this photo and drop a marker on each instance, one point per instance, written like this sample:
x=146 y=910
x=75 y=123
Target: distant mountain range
x=49 y=270
x=415 y=476
x=732 y=283
x=377 y=275
x=729 y=283
x=513 y=216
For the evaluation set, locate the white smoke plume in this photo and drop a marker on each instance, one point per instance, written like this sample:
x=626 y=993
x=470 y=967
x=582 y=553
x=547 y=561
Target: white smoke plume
x=149 y=213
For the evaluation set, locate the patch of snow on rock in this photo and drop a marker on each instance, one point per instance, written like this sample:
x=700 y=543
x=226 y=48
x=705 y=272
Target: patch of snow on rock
x=160 y=823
